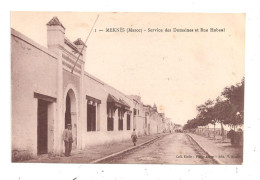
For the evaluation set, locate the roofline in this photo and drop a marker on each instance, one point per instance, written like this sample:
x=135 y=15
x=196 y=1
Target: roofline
x=26 y=39
x=103 y=83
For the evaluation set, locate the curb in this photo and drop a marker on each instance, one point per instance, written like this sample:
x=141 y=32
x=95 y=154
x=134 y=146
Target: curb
x=124 y=151
x=208 y=153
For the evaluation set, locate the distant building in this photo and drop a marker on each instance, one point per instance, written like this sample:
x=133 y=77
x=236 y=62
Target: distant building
x=169 y=125
x=155 y=107
x=47 y=95
x=177 y=127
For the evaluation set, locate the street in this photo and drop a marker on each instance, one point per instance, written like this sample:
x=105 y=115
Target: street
x=175 y=148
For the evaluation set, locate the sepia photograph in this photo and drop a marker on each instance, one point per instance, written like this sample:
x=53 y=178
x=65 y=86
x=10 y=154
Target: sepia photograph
x=127 y=87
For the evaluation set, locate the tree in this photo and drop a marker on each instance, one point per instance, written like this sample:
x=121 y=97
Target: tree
x=235 y=97
x=205 y=114
x=226 y=109
x=222 y=110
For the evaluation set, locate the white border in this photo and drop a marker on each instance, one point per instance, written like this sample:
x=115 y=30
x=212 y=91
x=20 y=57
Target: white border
x=251 y=164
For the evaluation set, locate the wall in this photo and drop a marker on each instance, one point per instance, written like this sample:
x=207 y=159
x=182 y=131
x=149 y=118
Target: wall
x=140 y=119
x=36 y=69
x=99 y=90
x=33 y=69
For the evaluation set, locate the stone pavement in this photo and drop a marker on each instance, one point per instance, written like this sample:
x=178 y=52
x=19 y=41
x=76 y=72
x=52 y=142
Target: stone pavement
x=223 y=151
x=93 y=153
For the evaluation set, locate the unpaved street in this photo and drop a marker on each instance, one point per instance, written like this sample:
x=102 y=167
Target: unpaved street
x=175 y=148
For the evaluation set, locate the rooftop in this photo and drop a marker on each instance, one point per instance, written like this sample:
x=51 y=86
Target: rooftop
x=55 y=22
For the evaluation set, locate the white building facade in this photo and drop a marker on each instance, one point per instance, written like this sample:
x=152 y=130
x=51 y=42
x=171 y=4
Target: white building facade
x=47 y=95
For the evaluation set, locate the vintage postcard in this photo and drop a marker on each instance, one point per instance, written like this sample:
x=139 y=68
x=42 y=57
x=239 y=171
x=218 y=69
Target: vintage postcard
x=127 y=88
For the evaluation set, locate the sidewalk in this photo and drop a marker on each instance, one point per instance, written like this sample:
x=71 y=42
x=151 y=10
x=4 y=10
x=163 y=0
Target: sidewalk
x=223 y=152
x=93 y=153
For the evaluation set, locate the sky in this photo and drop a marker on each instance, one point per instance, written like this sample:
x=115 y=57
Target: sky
x=175 y=70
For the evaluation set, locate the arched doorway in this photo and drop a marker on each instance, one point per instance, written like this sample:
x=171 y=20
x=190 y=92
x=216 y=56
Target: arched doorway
x=71 y=115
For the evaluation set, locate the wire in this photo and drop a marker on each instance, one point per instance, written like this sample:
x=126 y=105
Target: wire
x=84 y=44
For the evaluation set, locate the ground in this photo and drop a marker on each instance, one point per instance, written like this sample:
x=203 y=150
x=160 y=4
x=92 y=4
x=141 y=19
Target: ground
x=171 y=149
x=165 y=148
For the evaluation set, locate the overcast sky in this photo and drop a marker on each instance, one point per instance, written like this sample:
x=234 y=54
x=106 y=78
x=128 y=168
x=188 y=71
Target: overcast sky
x=177 y=71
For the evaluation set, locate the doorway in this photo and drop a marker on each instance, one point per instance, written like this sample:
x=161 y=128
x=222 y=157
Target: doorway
x=71 y=115
x=42 y=127
x=68 y=111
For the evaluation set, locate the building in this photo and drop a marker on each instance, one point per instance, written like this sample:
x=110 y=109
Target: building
x=168 y=125
x=48 y=93
x=177 y=127
x=155 y=122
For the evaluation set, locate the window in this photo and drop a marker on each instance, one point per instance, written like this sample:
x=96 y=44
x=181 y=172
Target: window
x=134 y=112
x=93 y=113
x=128 y=122
x=91 y=117
x=110 y=119
x=120 y=119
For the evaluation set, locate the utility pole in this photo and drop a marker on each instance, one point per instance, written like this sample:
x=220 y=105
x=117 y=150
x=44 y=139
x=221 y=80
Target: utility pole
x=84 y=44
